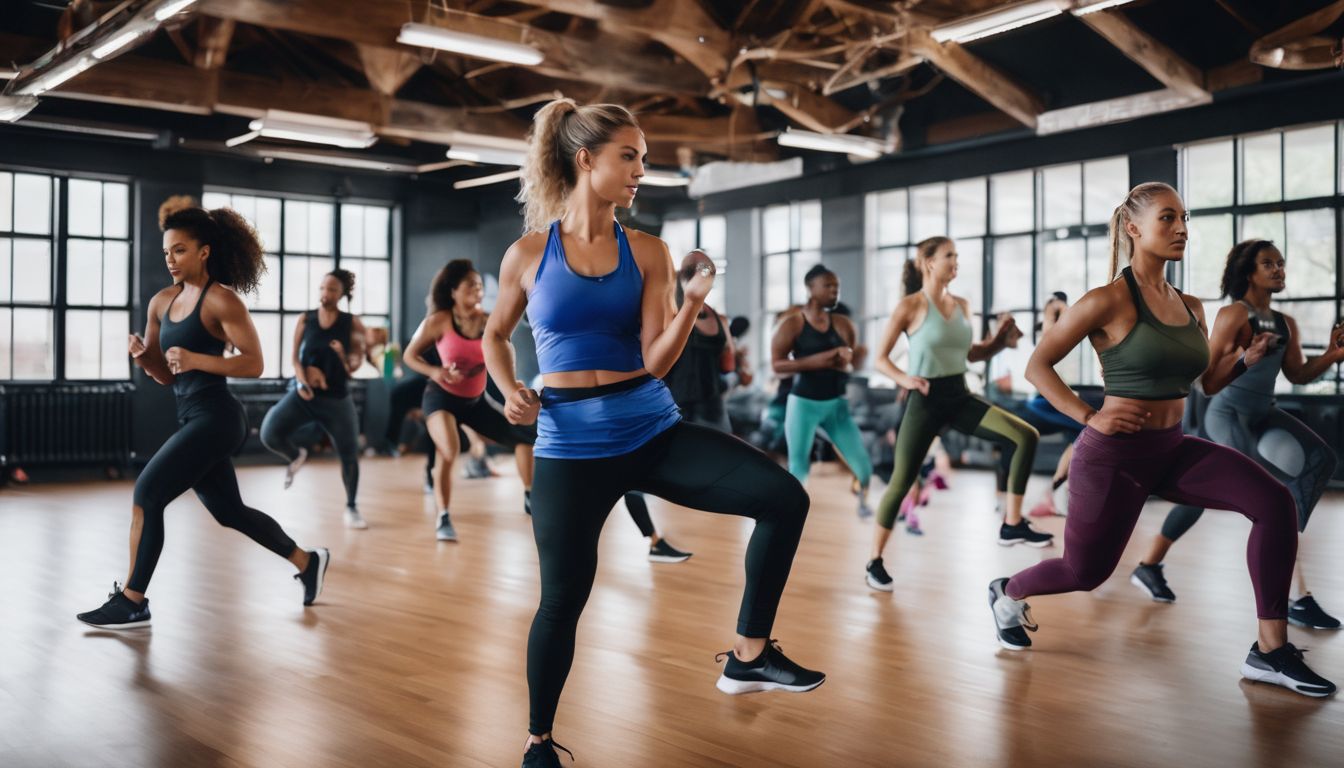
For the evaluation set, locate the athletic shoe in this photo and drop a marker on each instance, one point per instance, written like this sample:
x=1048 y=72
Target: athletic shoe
x=662 y=552
x=293 y=468
x=354 y=520
x=1023 y=533
x=771 y=671
x=315 y=575
x=912 y=523
x=542 y=755
x=937 y=480
x=476 y=469
x=1304 y=612
x=119 y=612
x=865 y=511
x=878 y=578
x=1285 y=666
x=429 y=487
x=1150 y=579
x=1012 y=618
x=445 y=530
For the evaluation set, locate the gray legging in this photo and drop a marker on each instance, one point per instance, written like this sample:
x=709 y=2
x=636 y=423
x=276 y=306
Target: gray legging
x=336 y=415
x=1293 y=454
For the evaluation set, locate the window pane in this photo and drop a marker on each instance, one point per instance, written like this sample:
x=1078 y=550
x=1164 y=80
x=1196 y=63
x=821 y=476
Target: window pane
x=246 y=206
x=1105 y=184
x=6 y=208
x=116 y=364
x=679 y=234
x=5 y=286
x=1314 y=321
x=801 y=263
x=296 y=227
x=970 y=272
x=116 y=271
x=84 y=273
x=32 y=275
x=268 y=292
x=1208 y=174
x=376 y=279
x=33 y=356
x=352 y=230
x=86 y=208
x=32 y=204
x=1261 y=169
x=968 y=202
x=116 y=210
x=1309 y=161
x=928 y=211
x=319 y=228
x=1263 y=226
x=301 y=276
x=893 y=218
x=1063 y=196
x=776 y=282
x=268 y=222
x=1011 y=363
x=1012 y=273
x=809 y=225
x=376 y=228
x=884 y=281
x=1310 y=253
x=1012 y=203
x=1099 y=263
x=215 y=200
x=714 y=239
x=1206 y=254
x=775 y=229
x=286 y=331
x=268 y=333
x=1063 y=268
x=83 y=343
x=5 y=371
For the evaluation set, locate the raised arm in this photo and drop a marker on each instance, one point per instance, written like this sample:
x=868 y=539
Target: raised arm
x=664 y=329
x=994 y=343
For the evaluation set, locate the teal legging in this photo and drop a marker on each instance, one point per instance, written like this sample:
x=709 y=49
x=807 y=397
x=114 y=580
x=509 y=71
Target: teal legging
x=802 y=418
x=950 y=404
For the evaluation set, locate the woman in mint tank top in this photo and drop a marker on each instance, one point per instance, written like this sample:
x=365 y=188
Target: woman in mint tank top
x=939 y=328
x=1152 y=344
x=1243 y=414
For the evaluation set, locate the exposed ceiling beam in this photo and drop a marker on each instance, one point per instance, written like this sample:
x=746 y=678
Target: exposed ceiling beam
x=1117 y=110
x=1143 y=49
x=978 y=76
x=212 y=45
x=1300 y=45
x=387 y=69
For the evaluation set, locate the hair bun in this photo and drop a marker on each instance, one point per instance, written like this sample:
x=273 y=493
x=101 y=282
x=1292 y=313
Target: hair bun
x=173 y=205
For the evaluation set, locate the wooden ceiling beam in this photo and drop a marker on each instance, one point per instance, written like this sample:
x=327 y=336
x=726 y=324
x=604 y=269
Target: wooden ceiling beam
x=1300 y=45
x=387 y=69
x=1143 y=49
x=212 y=42
x=978 y=77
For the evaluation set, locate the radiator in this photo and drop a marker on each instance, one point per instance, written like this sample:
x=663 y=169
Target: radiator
x=44 y=424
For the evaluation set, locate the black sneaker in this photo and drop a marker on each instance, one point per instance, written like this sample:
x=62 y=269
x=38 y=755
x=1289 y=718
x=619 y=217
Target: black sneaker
x=878 y=578
x=771 y=671
x=1023 y=533
x=1285 y=666
x=1150 y=579
x=314 y=575
x=1305 y=612
x=119 y=612
x=1012 y=618
x=542 y=755
x=662 y=552
x=445 y=531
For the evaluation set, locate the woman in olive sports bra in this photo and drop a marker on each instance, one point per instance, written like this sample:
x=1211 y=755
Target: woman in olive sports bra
x=1152 y=344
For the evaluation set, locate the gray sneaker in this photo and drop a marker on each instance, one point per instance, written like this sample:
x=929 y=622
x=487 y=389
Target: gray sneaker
x=445 y=531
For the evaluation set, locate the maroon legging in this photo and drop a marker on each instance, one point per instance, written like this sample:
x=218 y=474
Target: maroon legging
x=1110 y=478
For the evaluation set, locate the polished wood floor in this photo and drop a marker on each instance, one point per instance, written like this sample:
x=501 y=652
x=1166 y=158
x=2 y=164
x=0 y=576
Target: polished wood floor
x=415 y=654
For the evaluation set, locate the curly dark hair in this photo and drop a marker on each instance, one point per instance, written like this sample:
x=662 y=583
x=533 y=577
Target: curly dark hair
x=347 y=279
x=441 y=289
x=236 y=258
x=1241 y=265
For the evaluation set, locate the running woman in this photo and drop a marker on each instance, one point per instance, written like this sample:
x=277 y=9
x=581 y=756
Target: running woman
x=600 y=303
x=328 y=348
x=816 y=347
x=938 y=325
x=455 y=392
x=1242 y=415
x=1152 y=344
x=212 y=256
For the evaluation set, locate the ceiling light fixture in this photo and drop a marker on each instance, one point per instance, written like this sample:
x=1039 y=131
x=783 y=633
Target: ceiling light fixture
x=843 y=143
x=654 y=178
x=997 y=21
x=13 y=108
x=476 y=46
x=1099 y=5
x=313 y=129
x=482 y=181
x=486 y=154
x=171 y=8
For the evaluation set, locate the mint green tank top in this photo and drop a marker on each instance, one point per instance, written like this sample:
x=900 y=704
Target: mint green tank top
x=1155 y=361
x=939 y=345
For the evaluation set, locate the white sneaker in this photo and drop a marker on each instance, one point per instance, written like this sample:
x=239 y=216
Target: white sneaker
x=293 y=468
x=354 y=520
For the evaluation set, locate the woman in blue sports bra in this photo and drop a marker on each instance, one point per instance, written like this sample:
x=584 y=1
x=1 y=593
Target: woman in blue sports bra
x=600 y=303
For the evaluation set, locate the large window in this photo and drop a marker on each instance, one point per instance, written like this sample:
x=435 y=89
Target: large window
x=27 y=301
x=1281 y=186
x=97 y=280
x=791 y=245
x=300 y=238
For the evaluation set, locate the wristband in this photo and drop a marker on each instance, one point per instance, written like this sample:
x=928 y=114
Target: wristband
x=1240 y=367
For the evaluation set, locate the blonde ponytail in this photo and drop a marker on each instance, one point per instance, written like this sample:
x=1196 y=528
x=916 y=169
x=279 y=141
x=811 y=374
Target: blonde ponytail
x=1136 y=202
x=559 y=130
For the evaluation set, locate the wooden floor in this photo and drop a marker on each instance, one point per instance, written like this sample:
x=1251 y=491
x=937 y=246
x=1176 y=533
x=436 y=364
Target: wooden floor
x=414 y=656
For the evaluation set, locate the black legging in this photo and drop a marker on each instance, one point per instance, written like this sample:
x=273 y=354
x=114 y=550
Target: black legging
x=639 y=512
x=687 y=464
x=197 y=457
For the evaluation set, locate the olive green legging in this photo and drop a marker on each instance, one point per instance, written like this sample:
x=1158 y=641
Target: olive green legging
x=950 y=404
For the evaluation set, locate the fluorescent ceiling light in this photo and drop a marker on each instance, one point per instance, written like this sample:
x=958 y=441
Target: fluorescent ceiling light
x=314 y=129
x=13 y=108
x=54 y=77
x=482 y=181
x=664 y=179
x=117 y=43
x=997 y=21
x=476 y=46
x=8 y=73
x=832 y=142
x=171 y=8
x=1099 y=5
x=483 y=154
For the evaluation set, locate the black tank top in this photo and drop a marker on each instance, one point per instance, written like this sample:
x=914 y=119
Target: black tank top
x=190 y=334
x=826 y=384
x=696 y=377
x=315 y=350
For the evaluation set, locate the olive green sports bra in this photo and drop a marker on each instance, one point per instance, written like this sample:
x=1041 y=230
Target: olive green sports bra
x=1155 y=361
